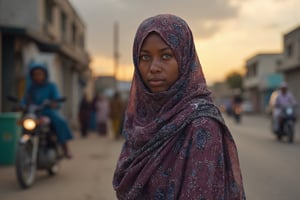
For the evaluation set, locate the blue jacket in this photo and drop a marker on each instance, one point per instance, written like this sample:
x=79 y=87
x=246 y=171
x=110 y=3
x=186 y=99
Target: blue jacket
x=38 y=93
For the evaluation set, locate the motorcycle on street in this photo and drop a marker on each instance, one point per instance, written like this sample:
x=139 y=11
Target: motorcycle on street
x=38 y=147
x=237 y=113
x=287 y=122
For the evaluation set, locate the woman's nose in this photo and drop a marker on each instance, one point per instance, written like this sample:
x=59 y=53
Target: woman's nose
x=155 y=66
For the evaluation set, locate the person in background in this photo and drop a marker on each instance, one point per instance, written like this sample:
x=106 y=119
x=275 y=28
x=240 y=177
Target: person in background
x=237 y=106
x=281 y=99
x=102 y=114
x=116 y=114
x=85 y=108
x=177 y=145
x=41 y=89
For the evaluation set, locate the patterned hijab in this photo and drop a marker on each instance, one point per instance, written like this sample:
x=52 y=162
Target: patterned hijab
x=154 y=119
x=147 y=110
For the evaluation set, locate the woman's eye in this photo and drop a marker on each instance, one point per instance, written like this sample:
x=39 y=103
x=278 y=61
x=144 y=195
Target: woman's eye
x=166 y=56
x=144 y=57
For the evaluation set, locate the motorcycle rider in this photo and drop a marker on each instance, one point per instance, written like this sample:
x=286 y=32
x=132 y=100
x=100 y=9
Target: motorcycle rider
x=237 y=105
x=283 y=99
x=40 y=89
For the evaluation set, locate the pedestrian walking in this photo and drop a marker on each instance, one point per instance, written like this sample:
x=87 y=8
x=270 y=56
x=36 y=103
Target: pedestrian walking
x=85 y=109
x=102 y=114
x=116 y=114
x=177 y=144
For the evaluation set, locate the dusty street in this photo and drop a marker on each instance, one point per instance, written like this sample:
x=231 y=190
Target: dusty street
x=88 y=176
x=270 y=168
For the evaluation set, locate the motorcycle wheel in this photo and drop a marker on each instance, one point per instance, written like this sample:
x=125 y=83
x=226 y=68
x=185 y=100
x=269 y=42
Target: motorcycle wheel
x=279 y=137
x=25 y=168
x=290 y=132
x=53 y=170
x=237 y=118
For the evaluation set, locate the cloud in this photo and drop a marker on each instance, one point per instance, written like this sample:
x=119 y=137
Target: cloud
x=226 y=32
x=204 y=17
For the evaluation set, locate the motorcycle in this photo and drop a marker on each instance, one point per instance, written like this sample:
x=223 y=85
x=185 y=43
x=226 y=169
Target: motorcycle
x=237 y=112
x=287 y=123
x=38 y=147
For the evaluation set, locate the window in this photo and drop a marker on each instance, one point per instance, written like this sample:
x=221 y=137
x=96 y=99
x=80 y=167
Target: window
x=252 y=70
x=278 y=63
x=49 y=11
x=63 y=18
x=74 y=34
x=289 y=50
x=82 y=42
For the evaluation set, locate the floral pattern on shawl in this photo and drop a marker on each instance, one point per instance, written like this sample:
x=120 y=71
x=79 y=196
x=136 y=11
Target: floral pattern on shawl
x=177 y=145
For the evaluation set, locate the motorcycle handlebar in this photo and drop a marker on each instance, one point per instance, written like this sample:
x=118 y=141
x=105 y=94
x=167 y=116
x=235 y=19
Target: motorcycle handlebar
x=60 y=100
x=47 y=102
x=12 y=99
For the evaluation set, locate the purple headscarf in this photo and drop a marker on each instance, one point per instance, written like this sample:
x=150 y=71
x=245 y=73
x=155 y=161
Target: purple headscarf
x=177 y=145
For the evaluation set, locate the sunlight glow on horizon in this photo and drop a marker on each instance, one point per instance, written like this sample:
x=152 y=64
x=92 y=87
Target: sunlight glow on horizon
x=239 y=39
x=103 y=66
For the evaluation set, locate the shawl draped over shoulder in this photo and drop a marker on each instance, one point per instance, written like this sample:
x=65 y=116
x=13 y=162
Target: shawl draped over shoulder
x=177 y=145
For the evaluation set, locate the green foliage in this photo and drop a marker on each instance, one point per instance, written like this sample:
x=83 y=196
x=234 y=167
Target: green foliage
x=234 y=80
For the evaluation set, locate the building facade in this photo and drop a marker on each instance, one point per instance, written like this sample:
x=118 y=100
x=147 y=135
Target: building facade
x=262 y=78
x=291 y=65
x=44 y=31
x=108 y=85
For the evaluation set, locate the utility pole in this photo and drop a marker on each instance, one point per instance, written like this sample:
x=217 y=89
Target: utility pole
x=116 y=51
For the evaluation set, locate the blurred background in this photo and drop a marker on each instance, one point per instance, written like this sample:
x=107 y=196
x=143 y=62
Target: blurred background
x=247 y=49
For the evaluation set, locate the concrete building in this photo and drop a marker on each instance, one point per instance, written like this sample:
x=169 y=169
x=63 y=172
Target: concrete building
x=47 y=31
x=220 y=92
x=107 y=85
x=291 y=65
x=262 y=79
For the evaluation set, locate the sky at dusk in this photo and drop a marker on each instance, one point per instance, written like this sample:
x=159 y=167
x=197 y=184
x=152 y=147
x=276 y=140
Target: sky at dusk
x=226 y=32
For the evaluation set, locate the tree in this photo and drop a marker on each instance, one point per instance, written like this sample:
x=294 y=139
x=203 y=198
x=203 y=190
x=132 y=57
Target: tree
x=234 y=80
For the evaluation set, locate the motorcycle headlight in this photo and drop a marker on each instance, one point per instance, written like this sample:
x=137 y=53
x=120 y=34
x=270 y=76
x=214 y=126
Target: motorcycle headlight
x=29 y=124
x=289 y=111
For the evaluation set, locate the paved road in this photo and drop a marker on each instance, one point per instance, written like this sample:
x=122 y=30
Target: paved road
x=271 y=169
x=86 y=177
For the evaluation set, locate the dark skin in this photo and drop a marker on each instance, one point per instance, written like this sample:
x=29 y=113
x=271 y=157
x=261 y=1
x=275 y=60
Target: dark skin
x=157 y=64
x=284 y=90
x=39 y=77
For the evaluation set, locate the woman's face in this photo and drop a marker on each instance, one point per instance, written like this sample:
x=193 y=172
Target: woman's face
x=157 y=64
x=38 y=76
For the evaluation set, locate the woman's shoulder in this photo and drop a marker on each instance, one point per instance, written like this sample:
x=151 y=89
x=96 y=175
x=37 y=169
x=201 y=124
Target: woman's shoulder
x=206 y=124
x=52 y=85
x=205 y=121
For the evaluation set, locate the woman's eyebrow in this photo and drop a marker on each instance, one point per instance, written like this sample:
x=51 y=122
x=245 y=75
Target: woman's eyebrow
x=161 y=50
x=165 y=49
x=144 y=51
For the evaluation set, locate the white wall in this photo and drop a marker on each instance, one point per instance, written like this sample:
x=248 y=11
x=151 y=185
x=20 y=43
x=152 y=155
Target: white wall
x=16 y=13
x=30 y=14
x=268 y=64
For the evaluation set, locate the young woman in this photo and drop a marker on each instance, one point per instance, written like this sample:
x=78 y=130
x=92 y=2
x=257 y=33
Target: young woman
x=177 y=144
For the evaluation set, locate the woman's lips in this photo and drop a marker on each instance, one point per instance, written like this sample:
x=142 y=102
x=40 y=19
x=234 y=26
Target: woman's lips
x=156 y=82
